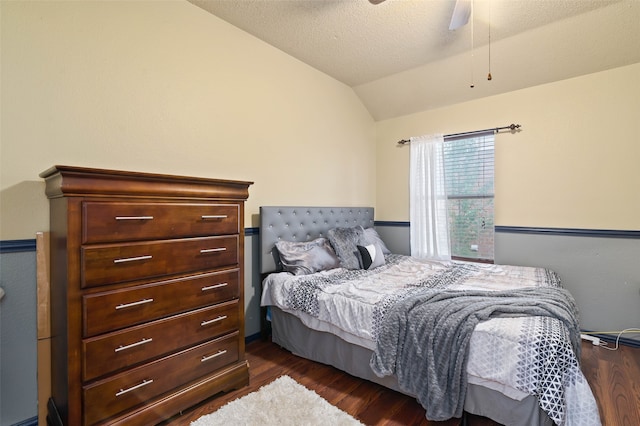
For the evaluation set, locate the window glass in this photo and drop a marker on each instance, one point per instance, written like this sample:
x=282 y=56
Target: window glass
x=469 y=173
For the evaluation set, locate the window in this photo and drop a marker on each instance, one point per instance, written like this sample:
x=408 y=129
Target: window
x=469 y=170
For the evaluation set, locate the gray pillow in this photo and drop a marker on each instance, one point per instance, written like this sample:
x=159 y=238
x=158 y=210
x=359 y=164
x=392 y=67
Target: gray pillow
x=307 y=257
x=371 y=256
x=344 y=242
x=371 y=236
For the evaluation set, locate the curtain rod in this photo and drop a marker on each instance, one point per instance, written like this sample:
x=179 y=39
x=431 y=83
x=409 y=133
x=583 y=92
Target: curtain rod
x=512 y=127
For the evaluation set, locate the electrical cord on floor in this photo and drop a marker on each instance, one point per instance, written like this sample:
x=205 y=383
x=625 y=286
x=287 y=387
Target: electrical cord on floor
x=619 y=333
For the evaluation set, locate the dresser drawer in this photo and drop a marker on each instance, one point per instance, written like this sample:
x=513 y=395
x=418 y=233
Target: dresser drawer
x=129 y=221
x=114 y=351
x=113 y=310
x=115 y=263
x=139 y=385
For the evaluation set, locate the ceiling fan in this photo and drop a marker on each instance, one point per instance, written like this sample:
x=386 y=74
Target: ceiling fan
x=460 y=16
x=461 y=13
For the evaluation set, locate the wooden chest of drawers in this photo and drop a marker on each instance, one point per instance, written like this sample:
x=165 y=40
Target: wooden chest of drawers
x=147 y=299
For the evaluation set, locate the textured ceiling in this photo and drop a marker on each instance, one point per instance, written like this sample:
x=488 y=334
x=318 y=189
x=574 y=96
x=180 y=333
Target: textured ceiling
x=400 y=57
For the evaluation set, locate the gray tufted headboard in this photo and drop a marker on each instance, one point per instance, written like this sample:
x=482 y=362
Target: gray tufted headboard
x=304 y=224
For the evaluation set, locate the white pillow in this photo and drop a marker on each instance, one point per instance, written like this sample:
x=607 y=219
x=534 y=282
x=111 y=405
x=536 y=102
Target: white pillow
x=371 y=256
x=372 y=237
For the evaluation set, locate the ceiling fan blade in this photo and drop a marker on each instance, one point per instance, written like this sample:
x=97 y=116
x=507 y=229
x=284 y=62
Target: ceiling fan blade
x=461 y=13
x=375 y=1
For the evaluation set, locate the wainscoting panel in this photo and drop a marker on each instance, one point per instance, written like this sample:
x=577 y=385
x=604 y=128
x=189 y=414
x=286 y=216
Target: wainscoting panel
x=602 y=273
x=252 y=282
x=601 y=268
x=18 y=337
x=18 y=324
x=395 y=235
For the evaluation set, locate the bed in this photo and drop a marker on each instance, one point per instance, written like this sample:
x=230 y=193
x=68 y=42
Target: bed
x=396 y=320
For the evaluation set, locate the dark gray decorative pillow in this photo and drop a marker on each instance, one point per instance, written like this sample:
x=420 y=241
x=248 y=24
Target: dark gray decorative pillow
x=371 y=236
x=371 y=256
x=307 y=257
x=344 y=242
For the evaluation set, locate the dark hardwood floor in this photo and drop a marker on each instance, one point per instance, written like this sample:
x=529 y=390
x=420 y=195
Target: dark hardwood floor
x=613 y=376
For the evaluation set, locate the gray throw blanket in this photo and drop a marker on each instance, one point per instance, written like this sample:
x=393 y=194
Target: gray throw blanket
x=424 y=339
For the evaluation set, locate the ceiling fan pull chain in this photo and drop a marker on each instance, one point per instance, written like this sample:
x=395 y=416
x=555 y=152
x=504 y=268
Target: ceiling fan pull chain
x=472 y=45
x=489 y=75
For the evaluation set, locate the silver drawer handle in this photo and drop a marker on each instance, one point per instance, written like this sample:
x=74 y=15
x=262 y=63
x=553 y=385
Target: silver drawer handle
x=132 y=259
x=213 y=250
x=211 y=287
x=220 y=318
x=217 y=354
x=214 y=216
x=133 y=345
x=129 y=305
x=138 y=386
x=134 y=217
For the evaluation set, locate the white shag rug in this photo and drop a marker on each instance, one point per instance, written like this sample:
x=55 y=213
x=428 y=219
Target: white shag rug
x=282 y=402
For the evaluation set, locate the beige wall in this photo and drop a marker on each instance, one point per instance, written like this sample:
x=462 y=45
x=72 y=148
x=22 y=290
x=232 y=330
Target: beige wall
x=573 y=165
x=165 y=87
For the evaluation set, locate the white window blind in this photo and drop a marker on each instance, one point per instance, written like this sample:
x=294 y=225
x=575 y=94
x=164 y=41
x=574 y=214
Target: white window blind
x=469 y=173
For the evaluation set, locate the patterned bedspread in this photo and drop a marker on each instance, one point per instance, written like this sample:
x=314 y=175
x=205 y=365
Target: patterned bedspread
x=516 y=356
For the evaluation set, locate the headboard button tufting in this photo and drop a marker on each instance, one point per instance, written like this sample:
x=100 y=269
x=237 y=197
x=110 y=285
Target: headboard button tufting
x=279 y=223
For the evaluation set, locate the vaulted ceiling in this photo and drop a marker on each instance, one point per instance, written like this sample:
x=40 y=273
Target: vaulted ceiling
x=400 y=57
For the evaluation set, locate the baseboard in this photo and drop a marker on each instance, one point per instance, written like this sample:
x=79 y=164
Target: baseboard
x=611 y=338
x=33 y=421
x=253 y=337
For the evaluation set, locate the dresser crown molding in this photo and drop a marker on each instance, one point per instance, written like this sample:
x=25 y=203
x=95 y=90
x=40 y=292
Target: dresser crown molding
x=83 y=181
